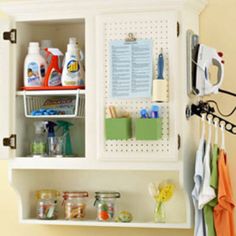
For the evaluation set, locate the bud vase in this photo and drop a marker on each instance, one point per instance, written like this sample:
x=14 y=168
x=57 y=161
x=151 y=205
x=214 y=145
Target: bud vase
x=159 y=213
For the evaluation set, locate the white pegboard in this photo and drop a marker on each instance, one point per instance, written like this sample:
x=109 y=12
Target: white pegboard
x=154 y=27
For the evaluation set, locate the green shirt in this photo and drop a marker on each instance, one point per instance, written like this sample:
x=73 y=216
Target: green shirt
x=209 y=207
x=214 y=167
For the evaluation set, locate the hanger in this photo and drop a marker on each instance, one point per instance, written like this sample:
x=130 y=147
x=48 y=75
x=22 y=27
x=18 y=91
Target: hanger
x=209 y=129
x=216 y=131
x=222 y=126
x=203 y=125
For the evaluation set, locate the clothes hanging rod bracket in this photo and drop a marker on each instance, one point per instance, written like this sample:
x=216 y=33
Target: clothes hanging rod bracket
x=205 y=108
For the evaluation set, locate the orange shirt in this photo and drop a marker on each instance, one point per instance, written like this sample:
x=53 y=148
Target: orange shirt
x=223 y=212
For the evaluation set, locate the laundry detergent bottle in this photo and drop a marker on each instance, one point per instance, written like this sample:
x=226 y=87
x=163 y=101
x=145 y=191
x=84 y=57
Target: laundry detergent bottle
x=73 y=72
x=34 y=67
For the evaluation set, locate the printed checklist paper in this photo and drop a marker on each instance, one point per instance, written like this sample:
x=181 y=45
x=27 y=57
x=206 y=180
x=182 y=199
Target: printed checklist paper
x=130 y=69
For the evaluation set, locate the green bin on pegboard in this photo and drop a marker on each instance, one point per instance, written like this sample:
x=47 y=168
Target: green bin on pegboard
x=118 y=128
x=148 y=129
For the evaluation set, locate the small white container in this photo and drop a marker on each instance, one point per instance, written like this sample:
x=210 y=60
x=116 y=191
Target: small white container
x=34 y=67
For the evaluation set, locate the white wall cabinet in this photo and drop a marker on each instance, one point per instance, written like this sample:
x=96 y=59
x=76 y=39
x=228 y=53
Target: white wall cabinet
x=99 y=164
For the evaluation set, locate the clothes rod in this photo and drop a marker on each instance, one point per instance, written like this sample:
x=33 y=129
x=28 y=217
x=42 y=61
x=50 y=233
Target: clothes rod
x=205 y=108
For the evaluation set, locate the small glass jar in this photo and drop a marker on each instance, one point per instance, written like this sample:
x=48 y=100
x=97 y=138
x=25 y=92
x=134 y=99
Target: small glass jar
x=105 y=203
x=47 y=204
x=74 y=205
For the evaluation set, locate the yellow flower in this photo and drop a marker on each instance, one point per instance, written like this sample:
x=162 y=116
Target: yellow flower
x=166 y=191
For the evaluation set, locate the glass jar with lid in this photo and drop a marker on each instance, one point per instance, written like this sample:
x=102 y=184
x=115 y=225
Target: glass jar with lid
x=47 y=204
x=105 y=203
x=74 y=205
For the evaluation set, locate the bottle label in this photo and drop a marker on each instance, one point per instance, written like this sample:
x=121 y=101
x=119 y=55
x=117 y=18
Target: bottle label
x=54 y=78
x=73 y=66
x=73 y=73
x=33 y=77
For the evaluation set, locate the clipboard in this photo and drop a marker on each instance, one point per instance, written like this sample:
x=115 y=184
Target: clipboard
x=131 y=68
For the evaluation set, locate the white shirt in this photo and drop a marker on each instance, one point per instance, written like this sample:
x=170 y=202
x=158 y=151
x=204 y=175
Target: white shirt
x=199 y=229
x=207 y=193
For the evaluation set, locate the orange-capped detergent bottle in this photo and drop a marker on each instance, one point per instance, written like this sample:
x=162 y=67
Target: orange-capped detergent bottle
x=53 y=75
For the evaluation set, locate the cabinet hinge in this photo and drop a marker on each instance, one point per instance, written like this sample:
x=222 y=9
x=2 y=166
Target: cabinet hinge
x=179 y=141
x=10 y=35
x=178 y=29
x=10 y=142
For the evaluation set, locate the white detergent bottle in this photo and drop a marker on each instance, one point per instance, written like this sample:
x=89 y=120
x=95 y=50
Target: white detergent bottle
x=35 y=67
x=73 y=73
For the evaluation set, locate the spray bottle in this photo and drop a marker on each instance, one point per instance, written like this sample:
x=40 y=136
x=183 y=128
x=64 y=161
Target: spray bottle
x=66 y=136
x=45 y=43
x=51 y=138
x=53 y=75
x=39 y=142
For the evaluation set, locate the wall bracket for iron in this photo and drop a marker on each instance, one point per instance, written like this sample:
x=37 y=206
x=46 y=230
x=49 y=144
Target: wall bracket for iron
x=192 y=49
x=205 y=108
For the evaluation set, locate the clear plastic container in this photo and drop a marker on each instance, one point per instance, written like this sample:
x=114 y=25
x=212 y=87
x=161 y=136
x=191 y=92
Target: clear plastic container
x=74 y=205
x=47 y=204
x=105 y=203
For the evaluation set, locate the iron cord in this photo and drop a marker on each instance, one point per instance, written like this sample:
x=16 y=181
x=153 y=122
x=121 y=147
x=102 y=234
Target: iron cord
x=227 y=92
x=218 y=109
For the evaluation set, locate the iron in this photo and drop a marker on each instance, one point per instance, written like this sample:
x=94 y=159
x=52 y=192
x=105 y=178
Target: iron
x=199 y=59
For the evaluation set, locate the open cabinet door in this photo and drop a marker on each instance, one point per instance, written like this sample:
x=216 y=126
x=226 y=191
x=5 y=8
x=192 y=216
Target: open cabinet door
x=7 y=139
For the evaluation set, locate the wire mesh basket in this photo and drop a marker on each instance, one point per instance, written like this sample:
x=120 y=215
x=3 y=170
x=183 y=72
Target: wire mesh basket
x=54 y=105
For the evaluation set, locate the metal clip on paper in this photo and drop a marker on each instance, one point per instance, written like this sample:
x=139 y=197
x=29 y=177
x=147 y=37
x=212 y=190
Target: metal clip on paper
x=130 y=38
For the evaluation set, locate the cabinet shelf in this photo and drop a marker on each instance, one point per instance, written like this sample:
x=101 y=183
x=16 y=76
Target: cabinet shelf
x=108 y=224
x=82 y=163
